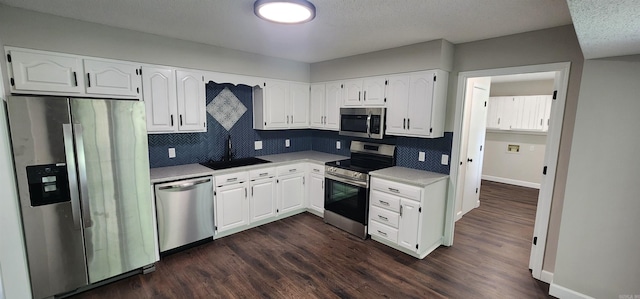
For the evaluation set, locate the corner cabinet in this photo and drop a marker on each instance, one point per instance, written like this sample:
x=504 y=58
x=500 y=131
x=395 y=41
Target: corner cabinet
x=175 y=100
x=416 y=104
x=281 y=105
x=406 y=217
x=50 y=73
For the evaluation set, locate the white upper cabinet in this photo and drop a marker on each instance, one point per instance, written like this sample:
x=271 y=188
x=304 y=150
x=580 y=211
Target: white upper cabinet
x=175 y=100
x=519 y=113
x=417 y=104
x=50 y=73
x=41 y=71
x=281 y=105
x=369 y=91
x=105 y=77
x=324 y=107
x=192 y=114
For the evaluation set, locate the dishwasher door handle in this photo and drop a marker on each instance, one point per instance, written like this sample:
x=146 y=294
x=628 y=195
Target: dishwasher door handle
x=185 y=185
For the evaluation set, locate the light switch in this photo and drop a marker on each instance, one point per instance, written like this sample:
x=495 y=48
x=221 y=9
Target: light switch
x=338 y=144
x=287 y=143
x=421 y=156
x=445 y=160
x=172 y=152
x=257 y=145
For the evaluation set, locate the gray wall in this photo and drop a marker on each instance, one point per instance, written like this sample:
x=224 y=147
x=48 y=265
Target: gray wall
x=558 y=44
x=437 y=54
x=522 y=88
x=28 y=29
x=599 y=247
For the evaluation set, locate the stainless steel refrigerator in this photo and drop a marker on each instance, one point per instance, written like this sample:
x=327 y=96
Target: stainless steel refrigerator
x=82 y=169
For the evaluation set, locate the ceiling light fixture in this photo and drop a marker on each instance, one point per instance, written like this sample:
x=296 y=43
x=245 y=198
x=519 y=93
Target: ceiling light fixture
x=285 y=11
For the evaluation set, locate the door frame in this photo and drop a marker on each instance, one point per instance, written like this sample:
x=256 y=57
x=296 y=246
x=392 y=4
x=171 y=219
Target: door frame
x=551 y=153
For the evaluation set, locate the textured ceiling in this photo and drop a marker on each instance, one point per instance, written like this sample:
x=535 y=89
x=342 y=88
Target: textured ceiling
x=607 y=28
x=341 y=27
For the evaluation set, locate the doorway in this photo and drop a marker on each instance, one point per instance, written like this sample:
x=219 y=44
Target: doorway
x=461 y=152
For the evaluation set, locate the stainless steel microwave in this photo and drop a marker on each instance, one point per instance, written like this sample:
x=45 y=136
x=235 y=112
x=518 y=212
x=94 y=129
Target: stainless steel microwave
x=362 y=122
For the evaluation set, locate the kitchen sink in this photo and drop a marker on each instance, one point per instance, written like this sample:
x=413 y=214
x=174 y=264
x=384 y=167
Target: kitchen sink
x=217 y=165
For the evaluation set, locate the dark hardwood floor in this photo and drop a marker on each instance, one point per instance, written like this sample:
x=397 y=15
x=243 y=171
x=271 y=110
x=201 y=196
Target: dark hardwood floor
x=301 y=257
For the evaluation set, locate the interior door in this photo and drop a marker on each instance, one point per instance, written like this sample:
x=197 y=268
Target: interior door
x=475 y=146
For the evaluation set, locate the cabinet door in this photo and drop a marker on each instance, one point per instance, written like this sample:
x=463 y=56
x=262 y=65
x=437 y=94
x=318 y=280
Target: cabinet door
x=506 y=113
x=276 y=99
x=317 y=106
x=316 y=192
x=334 y=100
x=263 y=200
x=39 y=71
x=409 y=224
x=112 y=78
x=159 y=94
x=231 y=207
x=493 y=106
x=373 y=91
x=420 y=104
x=192 y=114
x=291 y=193
x=546 y=101
x=299 y=105
x=352 y=93
x=397 y=104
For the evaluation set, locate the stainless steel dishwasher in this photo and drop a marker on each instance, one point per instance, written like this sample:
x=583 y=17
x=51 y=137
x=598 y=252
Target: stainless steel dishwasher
x=185 y=212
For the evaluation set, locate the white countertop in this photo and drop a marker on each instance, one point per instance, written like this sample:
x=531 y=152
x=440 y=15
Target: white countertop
x=410 y=176
x=179 y=172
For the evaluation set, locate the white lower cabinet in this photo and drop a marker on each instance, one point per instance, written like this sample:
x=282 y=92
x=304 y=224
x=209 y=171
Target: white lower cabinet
x=406 y=217
x=262 y=202
x=316 y=189
x=291 y=188
x=231 y=201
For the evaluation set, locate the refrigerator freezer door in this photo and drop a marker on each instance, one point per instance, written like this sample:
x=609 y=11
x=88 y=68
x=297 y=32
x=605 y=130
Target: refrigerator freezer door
x=53 y=236
x=113 y=170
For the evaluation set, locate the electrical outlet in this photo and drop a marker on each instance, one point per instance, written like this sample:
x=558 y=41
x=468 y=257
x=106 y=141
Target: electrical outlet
x=257 y=145
x=421 y=156
x=445 y=160
x=287 y=143
x=338 y=144
x=172 y=152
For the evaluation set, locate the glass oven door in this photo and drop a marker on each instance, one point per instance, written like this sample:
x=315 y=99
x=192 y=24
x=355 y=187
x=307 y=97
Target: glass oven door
x=346 y=198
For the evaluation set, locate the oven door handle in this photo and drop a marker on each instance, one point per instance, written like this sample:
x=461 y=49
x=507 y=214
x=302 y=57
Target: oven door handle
x=346 y=180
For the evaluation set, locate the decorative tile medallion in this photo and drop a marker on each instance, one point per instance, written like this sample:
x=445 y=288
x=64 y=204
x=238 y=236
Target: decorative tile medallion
x=226 y=108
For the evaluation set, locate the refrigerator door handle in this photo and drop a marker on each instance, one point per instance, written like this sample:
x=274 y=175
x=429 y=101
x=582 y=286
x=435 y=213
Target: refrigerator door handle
x=82 y=174
x=71 y=174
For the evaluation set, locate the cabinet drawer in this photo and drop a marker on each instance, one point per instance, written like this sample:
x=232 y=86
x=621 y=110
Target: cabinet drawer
x=384 y=216
x=396 y=188
x=315 y=168
x=232 y=178
x=262 y=173
x=290 y=169
x=384 y=200
x=383 y=231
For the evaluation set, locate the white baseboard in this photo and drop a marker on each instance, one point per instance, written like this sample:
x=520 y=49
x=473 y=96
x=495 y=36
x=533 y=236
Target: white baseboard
x=564 y=293
x=546 y=276
x=511 y=181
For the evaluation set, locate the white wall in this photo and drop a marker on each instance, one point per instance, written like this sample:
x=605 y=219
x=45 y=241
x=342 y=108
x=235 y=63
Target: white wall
x=599 y=246
x=522 y=88
x=523 y=168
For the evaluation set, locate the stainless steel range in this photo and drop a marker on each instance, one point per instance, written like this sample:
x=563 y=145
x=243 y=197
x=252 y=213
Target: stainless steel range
x=346 y=199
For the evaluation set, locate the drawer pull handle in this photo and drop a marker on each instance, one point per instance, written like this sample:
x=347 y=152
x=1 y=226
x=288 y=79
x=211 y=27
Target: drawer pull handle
x=292 y=170
x=394 y=190
x=316 y=170
x=383 y=218
x=232 y=179
x=383 y=202
x=382 y=233
x=263 y=174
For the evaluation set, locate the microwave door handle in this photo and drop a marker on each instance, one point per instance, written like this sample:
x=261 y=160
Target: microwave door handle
x=369 y=125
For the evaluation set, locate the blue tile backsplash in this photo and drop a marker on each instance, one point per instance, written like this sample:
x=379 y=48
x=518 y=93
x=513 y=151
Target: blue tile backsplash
x=201 y=147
